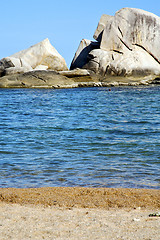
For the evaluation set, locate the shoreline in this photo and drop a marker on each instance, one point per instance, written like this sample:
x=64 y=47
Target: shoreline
x=79 y=213
x=83 y=197
x=77 y=78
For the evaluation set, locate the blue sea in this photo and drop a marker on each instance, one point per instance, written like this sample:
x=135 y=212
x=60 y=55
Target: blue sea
x=89 y=137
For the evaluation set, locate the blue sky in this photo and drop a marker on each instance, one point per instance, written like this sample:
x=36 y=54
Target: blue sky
x=27 y=22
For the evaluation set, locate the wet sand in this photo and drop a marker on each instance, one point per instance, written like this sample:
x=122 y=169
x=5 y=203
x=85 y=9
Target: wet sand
x=83 y=197
x=79 y=213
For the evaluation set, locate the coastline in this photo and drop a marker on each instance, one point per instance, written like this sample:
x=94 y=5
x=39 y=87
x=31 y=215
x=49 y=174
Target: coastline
x=72 y=79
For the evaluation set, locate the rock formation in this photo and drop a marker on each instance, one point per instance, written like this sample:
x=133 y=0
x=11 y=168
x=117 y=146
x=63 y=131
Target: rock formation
x=41 y=56
x=50 y=79
x=126 y=51
x=41 y=66
x=127 y=45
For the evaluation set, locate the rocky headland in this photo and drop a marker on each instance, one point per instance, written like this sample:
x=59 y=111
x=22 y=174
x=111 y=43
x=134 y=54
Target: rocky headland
x=125 y=52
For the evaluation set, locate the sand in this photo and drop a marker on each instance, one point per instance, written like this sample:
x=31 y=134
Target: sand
x=79 y=213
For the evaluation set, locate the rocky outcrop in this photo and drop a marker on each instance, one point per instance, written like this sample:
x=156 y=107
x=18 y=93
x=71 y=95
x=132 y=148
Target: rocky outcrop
x=126 y=51
x=67 y=79
x=36 y=79
x=129 y=46
x=50 y=79
x=41 y=56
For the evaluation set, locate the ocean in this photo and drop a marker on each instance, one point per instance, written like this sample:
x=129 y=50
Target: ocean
x=90 y=137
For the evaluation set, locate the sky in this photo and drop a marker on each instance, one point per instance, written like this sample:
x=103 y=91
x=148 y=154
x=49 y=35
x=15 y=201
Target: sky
x=24 y=23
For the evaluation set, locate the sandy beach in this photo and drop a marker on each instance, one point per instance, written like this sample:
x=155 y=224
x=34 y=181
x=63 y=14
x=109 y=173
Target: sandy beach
x=79 y=213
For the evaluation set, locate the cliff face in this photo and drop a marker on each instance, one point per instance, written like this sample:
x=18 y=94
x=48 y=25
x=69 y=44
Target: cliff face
x=126 y=45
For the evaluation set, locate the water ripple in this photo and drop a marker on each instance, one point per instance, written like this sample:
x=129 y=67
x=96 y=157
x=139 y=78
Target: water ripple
x=80 y=137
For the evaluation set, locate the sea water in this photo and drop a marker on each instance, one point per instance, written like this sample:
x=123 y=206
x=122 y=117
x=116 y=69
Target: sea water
x=91 y=137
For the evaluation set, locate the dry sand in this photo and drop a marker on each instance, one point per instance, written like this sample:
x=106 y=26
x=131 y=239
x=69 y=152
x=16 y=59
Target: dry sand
x=79 y=213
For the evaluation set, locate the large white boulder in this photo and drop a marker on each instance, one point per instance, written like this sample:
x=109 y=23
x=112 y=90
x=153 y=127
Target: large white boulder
x=129 y=45
x=38 y=57
x=136 y=63
x=132 y=27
